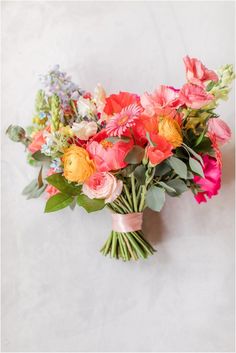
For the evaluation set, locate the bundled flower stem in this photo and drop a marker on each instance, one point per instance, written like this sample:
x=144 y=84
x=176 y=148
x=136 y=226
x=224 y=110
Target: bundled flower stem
x=129 y=245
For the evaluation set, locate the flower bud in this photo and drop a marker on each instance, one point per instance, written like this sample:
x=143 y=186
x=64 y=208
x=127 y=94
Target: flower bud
x=16 y=133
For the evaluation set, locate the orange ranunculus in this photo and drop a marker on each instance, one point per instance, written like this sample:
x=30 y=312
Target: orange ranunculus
x=78 y=166
x=160 y=152
x=170 y=129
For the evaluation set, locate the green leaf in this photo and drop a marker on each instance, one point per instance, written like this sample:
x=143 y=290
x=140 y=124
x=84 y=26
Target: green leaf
x=166 y=187
x=115 y=139
x=30 y=187
x=190 y=175
x=125 y=172
x=58 y=202
x=36 y=192
x=39 y=156
x=139 y=174
x=135 y=156
x=200 y=137
x=196 y=167
x=59 y=182
x=155 y=198
x=162 y=169
x=179 y=186
x=90 y=205
x=205 y=146
x=179 y=167
x=196 y=155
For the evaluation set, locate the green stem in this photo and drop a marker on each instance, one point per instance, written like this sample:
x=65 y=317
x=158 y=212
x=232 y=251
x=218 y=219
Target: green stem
x=134 y=193
x=128 y=195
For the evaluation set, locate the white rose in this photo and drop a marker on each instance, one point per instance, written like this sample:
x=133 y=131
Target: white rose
x=85 y=129
x=103 y=185
x=85 y=107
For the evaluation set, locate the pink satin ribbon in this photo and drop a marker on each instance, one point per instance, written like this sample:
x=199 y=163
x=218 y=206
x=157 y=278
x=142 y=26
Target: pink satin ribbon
x=127 y=222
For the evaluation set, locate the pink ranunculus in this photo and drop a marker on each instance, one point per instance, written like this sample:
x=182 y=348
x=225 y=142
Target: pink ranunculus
x=38 y=141
x=194 y=97
x=218 y=128
x=211 y=182
x=197 y=73
x=106 y=154
x=51 y=190
x=163 y=101
x=103 y=185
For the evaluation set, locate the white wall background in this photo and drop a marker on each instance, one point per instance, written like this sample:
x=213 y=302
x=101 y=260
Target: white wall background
x=59 y=293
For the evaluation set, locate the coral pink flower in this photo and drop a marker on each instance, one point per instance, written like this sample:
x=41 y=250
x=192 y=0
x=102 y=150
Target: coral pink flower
x=51 y=190
x=121 y=122
x=38 y=141
x=197 y=73
x=219 y=129
x=116 y=102
x=164 y=101
x=216 y=149
x=161 y=151
x=211 y=182
x=103 y=186
x=194 y=96
x=107 y=155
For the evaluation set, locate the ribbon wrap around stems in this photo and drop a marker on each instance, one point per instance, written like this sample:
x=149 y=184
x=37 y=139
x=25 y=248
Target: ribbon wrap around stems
x=129 y=222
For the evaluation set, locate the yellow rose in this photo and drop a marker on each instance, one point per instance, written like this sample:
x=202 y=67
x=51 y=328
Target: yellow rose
x=78 y=167
x=170 y=129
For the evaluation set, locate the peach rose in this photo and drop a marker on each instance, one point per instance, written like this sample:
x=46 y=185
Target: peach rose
x=78 y=166
x=103 y=185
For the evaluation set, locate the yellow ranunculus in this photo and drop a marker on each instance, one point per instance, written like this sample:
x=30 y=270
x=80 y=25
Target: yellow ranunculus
x=78 y=167
x=170 y=129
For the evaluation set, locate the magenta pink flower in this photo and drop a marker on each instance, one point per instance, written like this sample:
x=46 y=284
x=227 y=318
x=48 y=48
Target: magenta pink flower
x=194 y=97
x=211 y=182
x=122 y=121
x=162 y=102
x=197 y=73
x=218 y=128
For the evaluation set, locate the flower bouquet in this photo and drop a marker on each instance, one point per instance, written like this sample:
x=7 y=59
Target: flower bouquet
x=125 y=151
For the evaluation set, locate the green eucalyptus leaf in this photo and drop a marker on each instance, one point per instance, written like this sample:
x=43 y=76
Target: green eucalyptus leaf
x=190 y=175
x=135 y=156
x=162 y=169
x=166 y=187
x=90 y=205
x=139 y=174
x=59 y=182
x=196 y=155
x=39 y=156
x=58 y=202
x=179 y=186
x=30 y=187
x=179 y=167
x=200 y=137
x=155 y=198
x=115 y=139
x=36 y=192
x=196 y=166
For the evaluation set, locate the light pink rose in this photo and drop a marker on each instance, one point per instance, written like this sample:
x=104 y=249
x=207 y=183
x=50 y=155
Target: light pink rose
x=103 y=185
x=211 y=182
x=194 y=97
x=219 y=129
x=197 y=73
x=163 y=101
